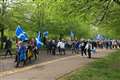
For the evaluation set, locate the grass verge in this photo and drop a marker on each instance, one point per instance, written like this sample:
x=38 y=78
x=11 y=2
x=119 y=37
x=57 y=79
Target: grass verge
x=104 y=69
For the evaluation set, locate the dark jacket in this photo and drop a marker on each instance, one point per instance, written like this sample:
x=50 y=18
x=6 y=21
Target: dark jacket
x=8 y=44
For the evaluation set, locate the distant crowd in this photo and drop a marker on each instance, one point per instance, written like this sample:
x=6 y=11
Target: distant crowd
x=80 y=46
x=27 y=50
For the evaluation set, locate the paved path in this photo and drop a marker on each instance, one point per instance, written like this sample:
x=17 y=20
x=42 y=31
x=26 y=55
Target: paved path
x=9 y=64
x=53 y=69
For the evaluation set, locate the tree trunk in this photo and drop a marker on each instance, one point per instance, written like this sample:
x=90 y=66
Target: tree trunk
x=61 y=36
x=2 y=35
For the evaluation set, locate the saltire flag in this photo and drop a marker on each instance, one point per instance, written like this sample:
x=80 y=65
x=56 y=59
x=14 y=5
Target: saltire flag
x=45 y=34
x=21 y=34
x=39 y=41
x=72 y=34
x=99 y=37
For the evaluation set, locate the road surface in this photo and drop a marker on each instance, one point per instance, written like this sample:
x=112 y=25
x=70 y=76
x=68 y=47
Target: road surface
x=53 y=69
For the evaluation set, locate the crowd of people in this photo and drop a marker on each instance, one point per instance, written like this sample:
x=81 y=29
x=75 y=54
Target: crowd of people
x=27 y=50
x=80 y=46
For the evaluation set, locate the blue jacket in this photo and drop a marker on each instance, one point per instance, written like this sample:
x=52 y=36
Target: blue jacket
x=22 y=53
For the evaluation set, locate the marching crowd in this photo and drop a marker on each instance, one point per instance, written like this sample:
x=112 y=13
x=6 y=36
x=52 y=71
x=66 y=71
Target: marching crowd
x=27 y=50
x=80 y=46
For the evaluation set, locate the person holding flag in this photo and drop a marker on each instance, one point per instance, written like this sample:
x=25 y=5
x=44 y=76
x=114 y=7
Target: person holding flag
x=22 y=48
x=21 y=56
x=38 y=45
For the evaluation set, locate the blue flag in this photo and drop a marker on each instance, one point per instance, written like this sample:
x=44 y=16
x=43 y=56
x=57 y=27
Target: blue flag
x=21 y=34
x=71 y=34
x=39 y=41
x=45 y=34
x=99 y=37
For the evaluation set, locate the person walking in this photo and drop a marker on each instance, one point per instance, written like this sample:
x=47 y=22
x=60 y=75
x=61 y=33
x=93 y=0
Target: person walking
x=29 y=52
x=77 y=47
x=8 y=46
x=73 y=47
x=49 y=47
x=21 y=54
x=83 y=49
x=88 y=49
x=61 y=46
x=53 y=47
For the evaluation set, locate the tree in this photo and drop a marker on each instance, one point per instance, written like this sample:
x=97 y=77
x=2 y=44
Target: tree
x=63 y=16
x=4 y=4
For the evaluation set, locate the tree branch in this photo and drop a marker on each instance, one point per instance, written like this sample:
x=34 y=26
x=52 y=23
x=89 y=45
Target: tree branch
x=117 y=1
x=105 y=11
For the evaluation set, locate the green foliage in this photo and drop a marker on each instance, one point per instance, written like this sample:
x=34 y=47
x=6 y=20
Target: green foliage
x=63 y=16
